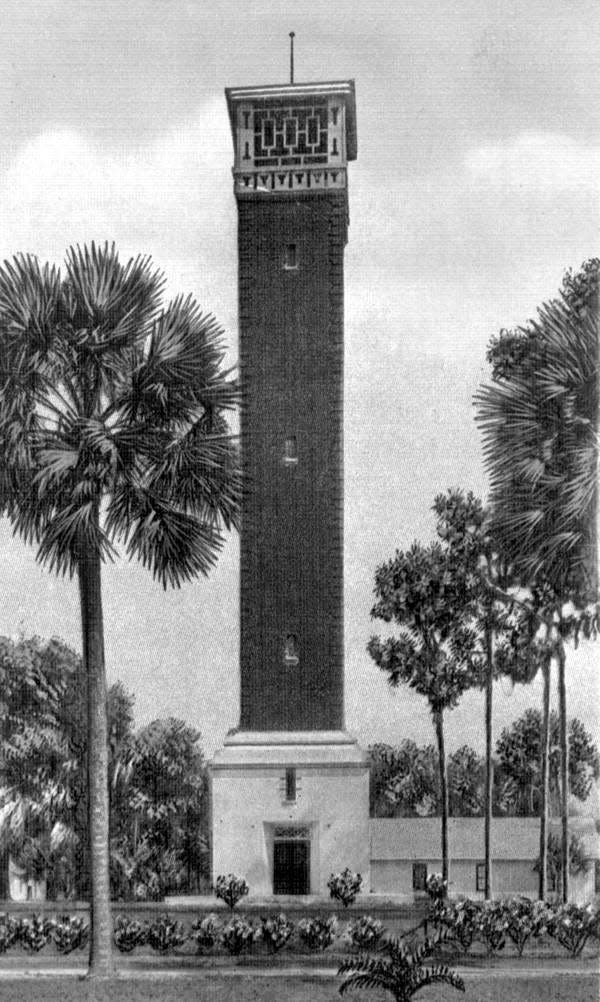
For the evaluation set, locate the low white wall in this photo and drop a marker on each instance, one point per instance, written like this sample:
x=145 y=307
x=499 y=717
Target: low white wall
x=509 y=878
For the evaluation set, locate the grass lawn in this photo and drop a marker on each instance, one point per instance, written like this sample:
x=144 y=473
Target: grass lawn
x=246 y=988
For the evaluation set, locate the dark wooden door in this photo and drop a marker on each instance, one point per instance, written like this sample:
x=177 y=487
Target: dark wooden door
x=291 y=866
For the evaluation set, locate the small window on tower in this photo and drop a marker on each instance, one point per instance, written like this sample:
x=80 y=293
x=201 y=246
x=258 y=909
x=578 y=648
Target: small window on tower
x=290 y=784
x=290 y=258
x=290 y=650
x=290 y=451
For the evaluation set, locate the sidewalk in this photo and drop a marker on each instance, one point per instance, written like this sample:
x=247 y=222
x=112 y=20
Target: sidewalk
x=140 y=969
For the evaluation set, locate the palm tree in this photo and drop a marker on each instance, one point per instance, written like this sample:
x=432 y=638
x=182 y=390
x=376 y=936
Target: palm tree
x=112 y=431
x=539 y=421
x=398 y=969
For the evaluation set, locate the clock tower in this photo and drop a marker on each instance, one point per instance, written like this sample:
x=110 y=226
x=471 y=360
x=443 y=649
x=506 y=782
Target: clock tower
x=290 y=786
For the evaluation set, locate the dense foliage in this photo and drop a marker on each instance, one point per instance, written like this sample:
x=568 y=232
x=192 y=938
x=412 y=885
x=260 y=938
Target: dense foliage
x=518 y=752
x=158 y=811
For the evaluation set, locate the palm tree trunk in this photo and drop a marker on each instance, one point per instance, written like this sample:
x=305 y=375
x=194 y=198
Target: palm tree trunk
x=100 y=960
x=445 y=805
x=545 y=782
x=489 y=765
x=564 y=770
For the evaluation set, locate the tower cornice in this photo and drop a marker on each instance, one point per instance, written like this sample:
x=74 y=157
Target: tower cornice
x=292 y=137
x=330 y=88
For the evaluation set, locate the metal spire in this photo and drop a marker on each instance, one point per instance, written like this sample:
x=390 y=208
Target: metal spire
x=292 y=36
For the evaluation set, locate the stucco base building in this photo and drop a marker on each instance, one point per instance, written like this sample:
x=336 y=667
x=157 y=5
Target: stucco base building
x=284 y=810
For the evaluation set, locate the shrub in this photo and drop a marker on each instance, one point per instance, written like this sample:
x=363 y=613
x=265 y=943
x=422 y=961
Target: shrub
x=397 y=969
x=9 y=931
x=129 y=933
x=436 y=886
x=525 y=920
x=166 y=934
x=491 y=925
x=345 y=886
x=230 y=889
x=70 y=932
x=572 y=925
x=34 y=932
x=275 y=931
x=365 y=932
x=206 y=932
x=457 y=920
x=237 y=936
x=317 y=933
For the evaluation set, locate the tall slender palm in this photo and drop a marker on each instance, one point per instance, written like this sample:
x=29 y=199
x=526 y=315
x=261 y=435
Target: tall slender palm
x=420 y=593
x=496 y=636
x=112 y=433
x=540 y=431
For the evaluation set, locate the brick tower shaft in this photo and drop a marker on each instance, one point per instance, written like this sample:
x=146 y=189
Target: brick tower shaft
x=292 y=147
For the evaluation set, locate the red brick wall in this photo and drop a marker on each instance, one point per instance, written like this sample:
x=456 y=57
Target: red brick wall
x=291 y=345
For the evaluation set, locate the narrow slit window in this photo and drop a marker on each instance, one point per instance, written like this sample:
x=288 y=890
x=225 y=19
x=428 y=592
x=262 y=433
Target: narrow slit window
x=290 y=650
x=290 y=451
x=290 y=784
x=290 y=259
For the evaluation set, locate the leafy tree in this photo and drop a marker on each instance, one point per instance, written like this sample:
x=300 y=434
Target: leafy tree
x=112 y=430
x=466 y=779
x=35 y=793
x=419 y=593
x=159 y=821
x=518 y=751
x=539 y=419
x=404 y=781
x=157 y=780
x=578 y=863
x=43 y=793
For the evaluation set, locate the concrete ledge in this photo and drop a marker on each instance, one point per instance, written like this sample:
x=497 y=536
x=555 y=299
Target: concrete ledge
x=273 y=749
x=289 y=738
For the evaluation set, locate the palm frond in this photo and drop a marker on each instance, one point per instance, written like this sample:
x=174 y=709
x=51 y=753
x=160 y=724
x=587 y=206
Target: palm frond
x=182 y=369
x=70 y=532
x=174 y=545
x=200 y=472
x=29 y=296
x=110 y=306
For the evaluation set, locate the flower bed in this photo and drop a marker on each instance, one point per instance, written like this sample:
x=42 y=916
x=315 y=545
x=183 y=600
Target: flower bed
x=517 y=925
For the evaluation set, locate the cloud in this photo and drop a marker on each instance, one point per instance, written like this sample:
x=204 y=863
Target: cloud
x=538 y=161
x=170 y=197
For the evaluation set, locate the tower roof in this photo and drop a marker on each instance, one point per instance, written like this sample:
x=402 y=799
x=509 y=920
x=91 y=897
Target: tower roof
x=274 y=92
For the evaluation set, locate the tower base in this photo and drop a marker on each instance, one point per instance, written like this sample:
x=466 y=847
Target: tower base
x=289 y=809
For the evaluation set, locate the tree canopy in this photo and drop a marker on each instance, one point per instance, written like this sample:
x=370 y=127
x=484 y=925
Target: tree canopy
x=157 y=779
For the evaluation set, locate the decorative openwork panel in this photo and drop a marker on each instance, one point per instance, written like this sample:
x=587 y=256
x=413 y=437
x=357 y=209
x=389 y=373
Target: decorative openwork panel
x=288 y=834
x=292 y=143
x=292 y=135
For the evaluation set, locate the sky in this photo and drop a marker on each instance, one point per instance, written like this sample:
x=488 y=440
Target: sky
x=477 y=184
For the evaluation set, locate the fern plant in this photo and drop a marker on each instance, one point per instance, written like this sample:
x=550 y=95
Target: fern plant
x=398 y=968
